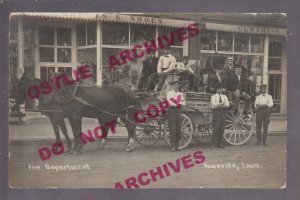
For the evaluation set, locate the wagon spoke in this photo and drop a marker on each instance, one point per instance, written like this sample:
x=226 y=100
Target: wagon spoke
x=235 y=135
x=228 y=115
x=242 y=131
x=183 y=126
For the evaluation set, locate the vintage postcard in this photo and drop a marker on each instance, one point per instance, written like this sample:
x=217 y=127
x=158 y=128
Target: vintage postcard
x=147 y=100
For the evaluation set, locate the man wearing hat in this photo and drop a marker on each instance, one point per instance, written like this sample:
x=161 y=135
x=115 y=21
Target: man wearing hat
x=186 y=72
x=174 y=115
x=239 y=86
x=215 y=80
x=244 y=67
x=166 y=63
x=228 y=72
x=263 y=103
x=219 y=105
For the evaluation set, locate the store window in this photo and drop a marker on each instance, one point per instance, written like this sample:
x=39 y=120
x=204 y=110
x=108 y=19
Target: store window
x=47 y=72
x=49 y=45
x=257 y=43
x=208 y=40
x=141 y=33
x=46 y=54
x=241 y=43
x=64 y=36
x=86 y=34
x=167 y=31
x=46 y=35
x=225 y=41
x=275 y=53
x=64 y=55
x=115 y=33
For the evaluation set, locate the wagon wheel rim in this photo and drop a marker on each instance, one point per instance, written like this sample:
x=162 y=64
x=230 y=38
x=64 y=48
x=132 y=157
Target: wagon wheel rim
x=148 y=134
x=186 y=132
x=238 y=129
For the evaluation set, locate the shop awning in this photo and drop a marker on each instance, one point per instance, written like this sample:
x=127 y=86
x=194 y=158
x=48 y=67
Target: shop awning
x=245 y=29
x=109 y=17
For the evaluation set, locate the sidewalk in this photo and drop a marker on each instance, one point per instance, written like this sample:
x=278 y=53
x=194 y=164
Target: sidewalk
x=41 y=129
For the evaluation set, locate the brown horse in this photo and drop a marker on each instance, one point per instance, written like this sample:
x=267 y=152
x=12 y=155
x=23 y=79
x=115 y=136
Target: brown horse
x=47 y=102
x=106 y=104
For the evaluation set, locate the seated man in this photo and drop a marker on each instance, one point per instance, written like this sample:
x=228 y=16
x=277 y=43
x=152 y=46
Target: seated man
x=239 y=84
x=215 y=80
x=149 y=67
x=166 y=64
x=186 y=72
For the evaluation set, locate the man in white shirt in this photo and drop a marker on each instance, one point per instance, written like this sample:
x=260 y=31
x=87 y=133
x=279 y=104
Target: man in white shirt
x=219 y=104
x=166 y=64
x=174 y=115
x=263 y=103
x=186 y=73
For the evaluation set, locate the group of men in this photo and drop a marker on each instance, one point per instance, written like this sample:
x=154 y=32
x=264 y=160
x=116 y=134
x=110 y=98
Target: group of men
x=155 y=70
x=228 y=84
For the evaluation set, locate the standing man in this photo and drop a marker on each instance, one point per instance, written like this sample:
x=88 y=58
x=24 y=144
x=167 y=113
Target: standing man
x=149 y=67
x=263 y=103
x=174 y=115
x=166 y=63
x=219 y=105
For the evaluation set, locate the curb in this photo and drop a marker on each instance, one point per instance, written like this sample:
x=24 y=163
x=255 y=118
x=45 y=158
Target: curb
x=115 y=138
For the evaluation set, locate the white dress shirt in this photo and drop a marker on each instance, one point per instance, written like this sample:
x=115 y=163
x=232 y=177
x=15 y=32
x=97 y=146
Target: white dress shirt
x=172 y=94
x=219 y=77
x=215 y=100
x=264 y=99
x=166 y=63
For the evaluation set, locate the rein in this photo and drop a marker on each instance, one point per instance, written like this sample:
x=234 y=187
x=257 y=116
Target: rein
x=84 y=102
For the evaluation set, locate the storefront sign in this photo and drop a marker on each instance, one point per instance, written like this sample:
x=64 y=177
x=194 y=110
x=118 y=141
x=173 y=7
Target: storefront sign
x=246 y=29
x=135 y=19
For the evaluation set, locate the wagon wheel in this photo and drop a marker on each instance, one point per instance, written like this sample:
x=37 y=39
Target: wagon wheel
x=148 y=134
x=186 y=132
x=238 y=127
x=203 y=131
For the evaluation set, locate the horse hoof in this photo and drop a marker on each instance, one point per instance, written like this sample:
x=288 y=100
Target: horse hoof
x=128 y=149
x=68 y=150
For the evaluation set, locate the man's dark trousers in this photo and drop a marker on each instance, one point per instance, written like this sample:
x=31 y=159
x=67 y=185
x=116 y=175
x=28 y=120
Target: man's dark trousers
x=174 y=120
x=262 y=120
x=218 y=125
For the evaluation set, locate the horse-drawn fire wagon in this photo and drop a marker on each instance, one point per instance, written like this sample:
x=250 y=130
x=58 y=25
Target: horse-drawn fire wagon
x=196 y=121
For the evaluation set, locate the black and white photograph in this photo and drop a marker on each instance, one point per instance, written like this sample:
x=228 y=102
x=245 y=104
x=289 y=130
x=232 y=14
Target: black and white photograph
x=147 y=100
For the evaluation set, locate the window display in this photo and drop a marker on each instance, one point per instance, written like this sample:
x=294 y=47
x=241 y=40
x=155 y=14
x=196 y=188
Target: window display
x=64 y=55
x=46 y=54
x=166 y=31
x=208 y=40
x=225 y=41
x=241 y=43
x=86 y=34
x=141 y=33
x=115 y=33
x=64 y=36
x=257 y=43
x=46 y=35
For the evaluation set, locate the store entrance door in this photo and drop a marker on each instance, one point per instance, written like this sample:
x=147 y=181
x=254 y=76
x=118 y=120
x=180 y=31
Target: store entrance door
x=275 y=88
